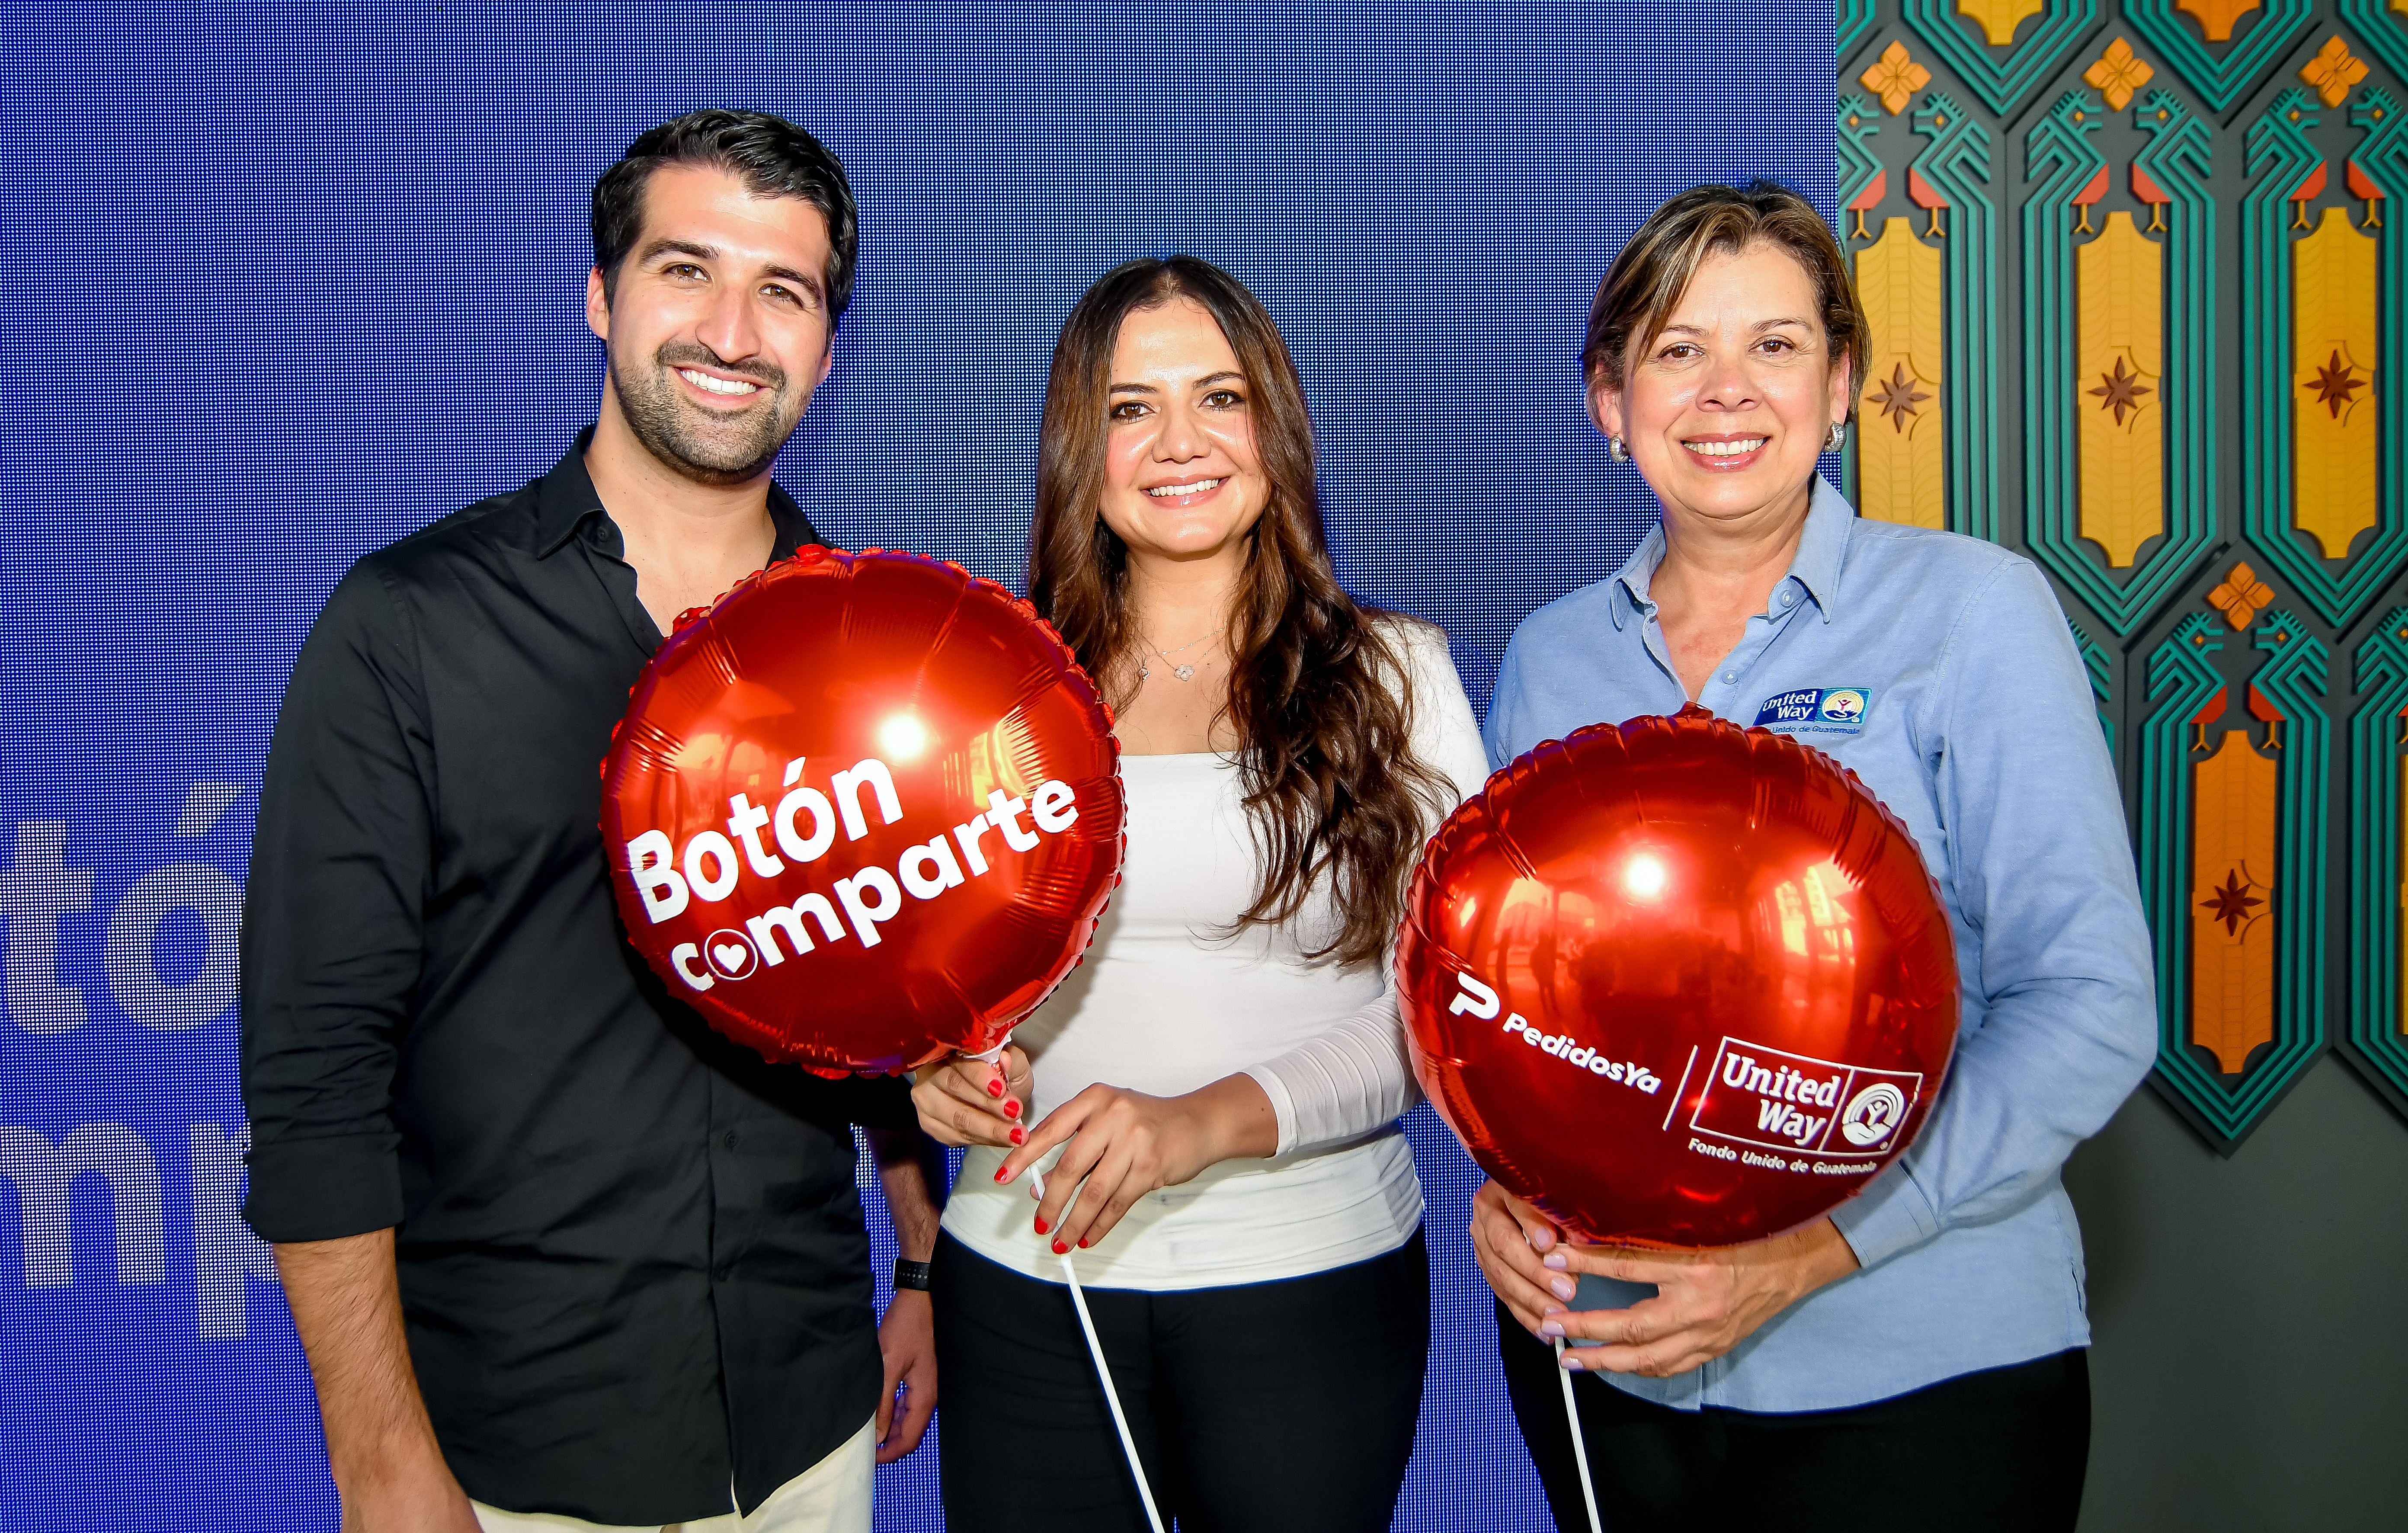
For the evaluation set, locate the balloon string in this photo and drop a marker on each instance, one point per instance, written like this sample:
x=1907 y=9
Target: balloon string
x=1571 y=1411
x=1104 y=1372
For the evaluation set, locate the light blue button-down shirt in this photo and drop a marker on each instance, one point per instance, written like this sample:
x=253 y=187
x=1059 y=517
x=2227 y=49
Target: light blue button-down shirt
x=1941 y=668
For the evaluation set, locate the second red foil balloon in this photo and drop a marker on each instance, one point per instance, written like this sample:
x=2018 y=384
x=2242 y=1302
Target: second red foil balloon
x=1678 y=983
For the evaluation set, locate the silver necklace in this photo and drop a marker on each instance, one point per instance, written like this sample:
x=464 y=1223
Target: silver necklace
x=1185 y=673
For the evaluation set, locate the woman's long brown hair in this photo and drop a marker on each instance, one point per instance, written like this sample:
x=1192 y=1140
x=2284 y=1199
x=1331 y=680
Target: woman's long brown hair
x=1319 y=696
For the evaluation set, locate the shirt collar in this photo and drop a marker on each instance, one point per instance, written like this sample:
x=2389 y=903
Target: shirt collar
x=1823 y=546
x=566 y=502
x=1822 y=549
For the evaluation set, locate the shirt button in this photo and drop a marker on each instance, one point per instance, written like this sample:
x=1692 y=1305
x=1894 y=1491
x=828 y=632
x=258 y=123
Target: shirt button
x=1729 y=677
x=729 y=1141
x=1789 y=599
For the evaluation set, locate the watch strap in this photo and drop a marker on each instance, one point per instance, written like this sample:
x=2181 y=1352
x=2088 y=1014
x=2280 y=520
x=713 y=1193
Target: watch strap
x=910 y=1274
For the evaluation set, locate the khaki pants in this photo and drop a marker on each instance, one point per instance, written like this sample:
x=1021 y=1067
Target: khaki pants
x=830 y=1496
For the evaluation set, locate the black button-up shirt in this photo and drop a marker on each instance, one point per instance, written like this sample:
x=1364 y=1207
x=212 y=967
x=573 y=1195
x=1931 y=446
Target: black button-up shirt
x=631 y=1253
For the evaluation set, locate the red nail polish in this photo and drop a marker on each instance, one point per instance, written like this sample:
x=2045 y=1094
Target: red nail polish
x=1043 y=1226
x=1011 y=1108
x=1082 y=1242
x=1019 y=1135
x=1061 y=1250
x=995 y=1088
x=998 y=1173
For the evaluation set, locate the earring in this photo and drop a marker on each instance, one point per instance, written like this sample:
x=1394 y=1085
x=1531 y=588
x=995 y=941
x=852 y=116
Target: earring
x=1616 y=450
x=1836 y=437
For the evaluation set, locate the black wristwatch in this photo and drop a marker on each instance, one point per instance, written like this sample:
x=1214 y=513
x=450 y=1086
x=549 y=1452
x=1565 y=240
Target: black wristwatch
x=910 y=1274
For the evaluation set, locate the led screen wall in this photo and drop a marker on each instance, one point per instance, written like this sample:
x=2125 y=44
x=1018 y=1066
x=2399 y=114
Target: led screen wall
x=283 y=285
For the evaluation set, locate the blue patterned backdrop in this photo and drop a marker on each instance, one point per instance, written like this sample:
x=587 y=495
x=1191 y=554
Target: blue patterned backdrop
x=284 y=282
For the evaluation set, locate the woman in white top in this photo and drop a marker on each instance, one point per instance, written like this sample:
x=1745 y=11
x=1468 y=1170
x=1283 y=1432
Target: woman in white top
x=1214 y=1090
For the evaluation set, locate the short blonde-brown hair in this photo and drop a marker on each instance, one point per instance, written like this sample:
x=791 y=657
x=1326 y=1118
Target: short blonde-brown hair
x=1646 y=280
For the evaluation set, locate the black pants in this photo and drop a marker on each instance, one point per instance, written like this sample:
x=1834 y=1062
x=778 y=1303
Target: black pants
x=1256 y=1408
x=2003 y=1449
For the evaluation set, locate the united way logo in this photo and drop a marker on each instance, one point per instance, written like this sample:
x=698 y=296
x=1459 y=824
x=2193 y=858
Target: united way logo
x=1827 y=711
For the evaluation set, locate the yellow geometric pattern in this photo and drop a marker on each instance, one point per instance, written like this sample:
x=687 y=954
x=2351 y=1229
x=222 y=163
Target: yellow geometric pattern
x=2336 y=439
x=1902 y=447
x=2216 y=18
x=2232 y=944
x=2118 y=72
x=2119 y=335
x=1997 y=18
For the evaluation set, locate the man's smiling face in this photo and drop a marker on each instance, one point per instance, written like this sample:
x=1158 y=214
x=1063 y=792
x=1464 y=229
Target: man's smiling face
x=717 y=323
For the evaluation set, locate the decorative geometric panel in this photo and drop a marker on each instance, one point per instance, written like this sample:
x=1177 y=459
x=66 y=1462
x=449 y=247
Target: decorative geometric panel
x=2136 y=261
x=2000 y=75
x=2378 y=970
x=2234 y=843
x=2319 y=441
x=2221 y=75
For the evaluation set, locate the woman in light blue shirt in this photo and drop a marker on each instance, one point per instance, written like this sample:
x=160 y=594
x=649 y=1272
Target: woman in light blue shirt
x=1915 y=1359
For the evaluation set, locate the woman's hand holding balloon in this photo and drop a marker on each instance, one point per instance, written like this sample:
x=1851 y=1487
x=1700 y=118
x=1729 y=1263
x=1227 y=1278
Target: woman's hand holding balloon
x=1511 y=1238
x=971 y=1100
x=1707 y=1301
x=1123 y=1144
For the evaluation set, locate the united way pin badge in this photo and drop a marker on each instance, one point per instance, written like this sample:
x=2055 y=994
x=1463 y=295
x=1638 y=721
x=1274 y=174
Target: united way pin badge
x=1827 y=711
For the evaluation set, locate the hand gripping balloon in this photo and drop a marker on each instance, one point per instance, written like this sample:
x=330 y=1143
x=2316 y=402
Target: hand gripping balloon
x=864 y=811
x=1678 y=983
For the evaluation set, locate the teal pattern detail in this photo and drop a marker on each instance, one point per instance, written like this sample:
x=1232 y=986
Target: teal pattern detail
x=1858 y=120
x=2220 y=83
x=2375 y=1038
x=2280 y=157
x=1853 y=19
x=1859 y=164
x=2102 y=668
x=2176 y=157
x=2181 y=679
x=2001 y=76
x=2059 y=160
x=2384 y=30
x=1957 y=165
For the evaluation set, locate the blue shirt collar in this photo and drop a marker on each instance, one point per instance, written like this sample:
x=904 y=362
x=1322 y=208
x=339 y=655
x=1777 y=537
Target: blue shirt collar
x=1822 y=550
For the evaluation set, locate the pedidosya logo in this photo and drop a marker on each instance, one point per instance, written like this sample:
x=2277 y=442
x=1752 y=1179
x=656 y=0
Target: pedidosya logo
x=1476 y=999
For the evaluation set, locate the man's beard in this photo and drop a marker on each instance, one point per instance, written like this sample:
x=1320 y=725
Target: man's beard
x=725 y=452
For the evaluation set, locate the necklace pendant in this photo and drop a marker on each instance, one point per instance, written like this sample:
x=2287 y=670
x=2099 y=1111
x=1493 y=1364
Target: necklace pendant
x=1144 y=671
x=1185 y=673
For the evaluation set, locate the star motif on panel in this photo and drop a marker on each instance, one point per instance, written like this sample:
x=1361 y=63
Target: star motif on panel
x=2232 y=903
x=2332 y=71
x=2240 y=596
x=1897 y=395
x=1895 y=78
x=2118 y=72
x=2120 y=391
x=2336 y=384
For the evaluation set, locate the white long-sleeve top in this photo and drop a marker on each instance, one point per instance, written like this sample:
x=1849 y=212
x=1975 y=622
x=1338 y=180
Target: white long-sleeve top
x=1166 y=1003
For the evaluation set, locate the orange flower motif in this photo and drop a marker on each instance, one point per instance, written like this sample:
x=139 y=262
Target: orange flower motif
x=2240 y=596
x=1895 y=78
x=2332 y=71
x=2118 y=72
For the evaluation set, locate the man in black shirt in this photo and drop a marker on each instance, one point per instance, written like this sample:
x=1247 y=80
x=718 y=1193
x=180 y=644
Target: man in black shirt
x=553 y=1246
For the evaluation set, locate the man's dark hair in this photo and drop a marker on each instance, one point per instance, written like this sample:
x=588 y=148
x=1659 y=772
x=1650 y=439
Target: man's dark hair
x=770 y=155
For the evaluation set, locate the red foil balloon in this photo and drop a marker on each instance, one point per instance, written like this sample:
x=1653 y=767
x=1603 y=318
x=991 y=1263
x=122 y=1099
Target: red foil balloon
x=864 y=811
x=1678 y=983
